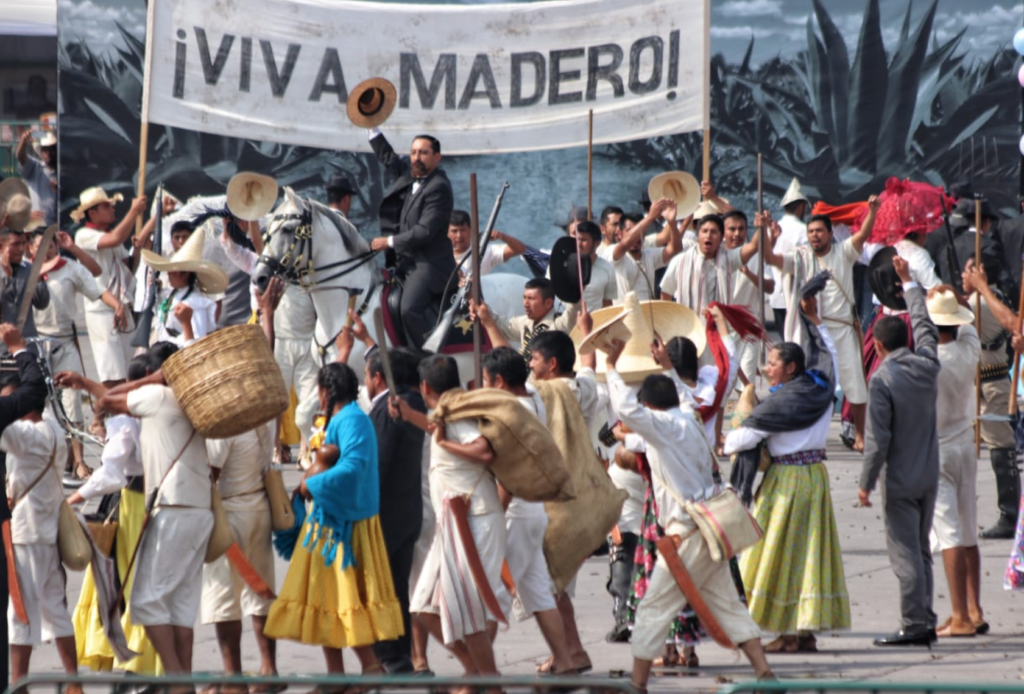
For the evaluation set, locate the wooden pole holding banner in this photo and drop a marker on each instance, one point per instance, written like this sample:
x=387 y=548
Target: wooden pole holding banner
x=707 y=91
x=474 y=245
x=590 y=170
x=147 y=71
x=1016 y=357
x=977 y=326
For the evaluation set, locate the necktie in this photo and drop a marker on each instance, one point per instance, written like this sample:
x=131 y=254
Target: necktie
x=528 y=336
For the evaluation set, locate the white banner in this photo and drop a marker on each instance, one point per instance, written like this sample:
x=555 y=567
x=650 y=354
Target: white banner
x=481 y=78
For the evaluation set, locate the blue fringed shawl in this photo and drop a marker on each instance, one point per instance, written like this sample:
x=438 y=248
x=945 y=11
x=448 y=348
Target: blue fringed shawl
x=349 y=491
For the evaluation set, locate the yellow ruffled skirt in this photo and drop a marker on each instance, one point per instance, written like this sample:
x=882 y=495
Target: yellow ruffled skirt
x=94 y=651
x=334 y=607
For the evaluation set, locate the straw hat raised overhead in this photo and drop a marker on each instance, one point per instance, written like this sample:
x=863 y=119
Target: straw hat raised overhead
x=371 y=102
x=794 y=193
x=251 y=195
x=15 y=203
x=679 y=186
x=189 y=258
x=90 y=198
x=644 y=320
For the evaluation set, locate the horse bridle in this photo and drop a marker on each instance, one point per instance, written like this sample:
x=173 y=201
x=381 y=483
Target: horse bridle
x=296 y=266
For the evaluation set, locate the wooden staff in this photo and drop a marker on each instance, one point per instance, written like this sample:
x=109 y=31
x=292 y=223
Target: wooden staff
x=707 y=90
x=761 y=231
x=590 y=170
x=1016 y=357
x=147 y=71
x=348 y=314
x=977 y=326
x=474 y=245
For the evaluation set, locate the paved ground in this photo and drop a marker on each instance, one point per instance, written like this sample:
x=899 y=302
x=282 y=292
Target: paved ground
x=849 y=655
x=874 y=604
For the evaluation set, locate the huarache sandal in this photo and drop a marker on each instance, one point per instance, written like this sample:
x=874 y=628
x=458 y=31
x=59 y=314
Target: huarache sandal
x=581 y=661
x=955 y=629
x=783 y=644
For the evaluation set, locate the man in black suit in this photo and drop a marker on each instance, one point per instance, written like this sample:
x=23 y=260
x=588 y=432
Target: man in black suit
x=30 y=395
x=399 y=466
x=414 y=217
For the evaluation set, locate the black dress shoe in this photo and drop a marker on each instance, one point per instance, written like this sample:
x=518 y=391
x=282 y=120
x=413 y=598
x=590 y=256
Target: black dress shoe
x=921 y=637
x=1004 y=529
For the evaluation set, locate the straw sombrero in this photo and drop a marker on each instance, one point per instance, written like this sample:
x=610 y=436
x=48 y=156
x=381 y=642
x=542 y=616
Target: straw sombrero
x=371 y=102
x=90 y=198
x=189 y=258
x=679 y=186
x=15 y=203
x=669 y=320
x=944 y=309
x=49 y=139
x=603 y=338
x=251 y=195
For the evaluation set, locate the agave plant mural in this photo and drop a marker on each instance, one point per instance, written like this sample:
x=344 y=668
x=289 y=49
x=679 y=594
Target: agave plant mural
x=927 y=110
x=844 y=126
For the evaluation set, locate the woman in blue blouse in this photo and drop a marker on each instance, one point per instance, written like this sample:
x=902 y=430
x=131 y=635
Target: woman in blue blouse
x=338 y=591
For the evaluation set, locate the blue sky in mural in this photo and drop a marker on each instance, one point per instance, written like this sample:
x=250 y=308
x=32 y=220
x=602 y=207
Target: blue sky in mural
x=778 y=26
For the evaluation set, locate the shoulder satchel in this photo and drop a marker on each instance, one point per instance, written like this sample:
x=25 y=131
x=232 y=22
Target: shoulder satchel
x=724 y=522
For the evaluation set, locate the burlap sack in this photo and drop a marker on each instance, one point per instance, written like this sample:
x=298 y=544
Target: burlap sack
x=527 y=461
x=576 y=527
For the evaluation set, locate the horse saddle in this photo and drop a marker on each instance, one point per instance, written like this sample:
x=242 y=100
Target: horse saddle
x=391 y=300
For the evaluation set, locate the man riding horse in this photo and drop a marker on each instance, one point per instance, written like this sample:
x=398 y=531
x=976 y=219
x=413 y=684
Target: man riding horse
x=414 y=217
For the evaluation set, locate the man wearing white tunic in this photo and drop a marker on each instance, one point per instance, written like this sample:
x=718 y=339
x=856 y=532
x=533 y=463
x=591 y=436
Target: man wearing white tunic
x=838 y=308
x=792 y=232
x=238 y=463
x=746 y=288
x=167 y=588
x=634 y=263
x=111 y=348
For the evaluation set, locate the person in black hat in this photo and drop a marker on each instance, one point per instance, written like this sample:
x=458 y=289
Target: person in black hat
x=340 y=190
x=961 y=223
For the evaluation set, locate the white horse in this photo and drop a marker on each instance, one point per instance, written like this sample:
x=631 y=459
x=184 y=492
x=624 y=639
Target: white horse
x=313 y=246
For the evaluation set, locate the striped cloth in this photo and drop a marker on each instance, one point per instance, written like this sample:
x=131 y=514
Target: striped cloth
x=800 y=458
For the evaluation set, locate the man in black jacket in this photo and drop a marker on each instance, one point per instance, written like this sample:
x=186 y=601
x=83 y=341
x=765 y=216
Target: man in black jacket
x=414 y=217
x=399 y=466
x=30 y=395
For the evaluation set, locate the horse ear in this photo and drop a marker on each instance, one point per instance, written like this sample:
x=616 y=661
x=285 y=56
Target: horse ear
x=291 y=198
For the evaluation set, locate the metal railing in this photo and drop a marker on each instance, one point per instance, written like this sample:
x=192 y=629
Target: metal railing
x=407 y=684
x=869 y=687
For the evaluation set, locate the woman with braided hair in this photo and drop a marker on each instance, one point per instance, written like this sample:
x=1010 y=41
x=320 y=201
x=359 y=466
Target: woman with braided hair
x=338 y=591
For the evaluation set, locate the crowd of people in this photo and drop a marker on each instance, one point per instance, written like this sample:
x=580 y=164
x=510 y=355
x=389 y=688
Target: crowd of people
x=403 y=529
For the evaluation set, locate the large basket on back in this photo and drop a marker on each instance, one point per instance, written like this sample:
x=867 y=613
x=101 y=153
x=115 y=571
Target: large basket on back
x=228 y=382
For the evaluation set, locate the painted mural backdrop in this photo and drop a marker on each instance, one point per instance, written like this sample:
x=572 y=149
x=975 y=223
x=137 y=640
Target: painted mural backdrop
x=840 y=93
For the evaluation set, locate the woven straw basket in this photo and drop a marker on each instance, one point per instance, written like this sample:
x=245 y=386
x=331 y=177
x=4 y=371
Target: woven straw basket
x=228 y=382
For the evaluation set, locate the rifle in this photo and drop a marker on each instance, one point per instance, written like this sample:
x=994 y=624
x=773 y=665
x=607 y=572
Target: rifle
x=145 y=323
x=952 y=261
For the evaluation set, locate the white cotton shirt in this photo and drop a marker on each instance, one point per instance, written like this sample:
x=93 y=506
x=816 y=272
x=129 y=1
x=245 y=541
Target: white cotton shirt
x=794 y=233
x=31 y=447
x=166 y=326
x=164 y=434
x=451 y=474
x=835 y=301
x=677 y=451
x=703 y=393
x=744 y=292
x=492 y=257
x=629 y=278
x=65 y=283
x=921 y=265
x=519 y=508
x=636 y=487
x=708 y=291
x=121 y=458
x=114 y=275
x=955 y=406
x=241 y=460
x=812 y=438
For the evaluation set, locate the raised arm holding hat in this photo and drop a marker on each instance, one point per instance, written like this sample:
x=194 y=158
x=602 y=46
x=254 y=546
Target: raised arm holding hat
x=414 y=217
x=104 y=241
x=40 y=172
